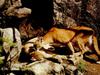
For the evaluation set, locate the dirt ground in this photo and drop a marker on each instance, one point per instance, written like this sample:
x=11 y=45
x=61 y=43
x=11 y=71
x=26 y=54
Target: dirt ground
x=92 y=68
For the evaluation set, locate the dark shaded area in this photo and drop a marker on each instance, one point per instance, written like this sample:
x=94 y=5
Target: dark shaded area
x=15 y=72
x=63 y=51
x=87 y=19
x=24 y=57
x=42 y=12
x=53 y=60
x=98 y=10
x=42 y=15
x=9 y=21
x=98 y=15
x=88 y=58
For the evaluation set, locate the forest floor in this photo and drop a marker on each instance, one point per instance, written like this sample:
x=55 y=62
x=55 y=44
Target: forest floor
x=91 y=68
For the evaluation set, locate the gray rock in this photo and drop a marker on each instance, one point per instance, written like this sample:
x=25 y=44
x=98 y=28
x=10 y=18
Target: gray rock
x=11 y=44
x=12 y=9
x=63 y=9
x=45 y=67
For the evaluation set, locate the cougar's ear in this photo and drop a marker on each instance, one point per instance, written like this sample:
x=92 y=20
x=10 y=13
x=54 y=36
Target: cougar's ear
x=24 y=49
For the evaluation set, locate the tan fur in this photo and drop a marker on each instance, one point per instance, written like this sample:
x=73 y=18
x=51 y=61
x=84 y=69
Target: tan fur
x=67 y=36
x=73 y=35
x=60 y=35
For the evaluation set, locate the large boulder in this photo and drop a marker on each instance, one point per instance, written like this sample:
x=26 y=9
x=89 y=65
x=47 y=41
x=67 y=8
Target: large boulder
x=45 y=67
x=63 y=9
x=11 y=44
x=13 y=8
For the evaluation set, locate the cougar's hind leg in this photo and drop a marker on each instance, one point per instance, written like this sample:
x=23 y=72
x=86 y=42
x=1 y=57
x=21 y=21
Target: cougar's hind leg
x=95 y=44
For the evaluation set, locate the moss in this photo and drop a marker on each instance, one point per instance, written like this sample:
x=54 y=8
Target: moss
x=81 y=66
x=8 y=40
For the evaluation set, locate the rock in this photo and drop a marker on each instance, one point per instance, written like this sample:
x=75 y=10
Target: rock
x=12 y=9
x=20 y=13
x=63 y=9
x=27 y=31
x=91 y=8
x=2 y=3
x=75 y=9
x=11 y=44
x=45 y=67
